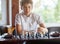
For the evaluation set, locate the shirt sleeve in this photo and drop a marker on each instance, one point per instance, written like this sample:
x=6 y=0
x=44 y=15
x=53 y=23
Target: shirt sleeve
x=40 y=19
x=17 y=19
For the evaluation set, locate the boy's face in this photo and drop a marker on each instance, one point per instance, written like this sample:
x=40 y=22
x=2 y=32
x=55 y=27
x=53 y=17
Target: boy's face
x=27 y=8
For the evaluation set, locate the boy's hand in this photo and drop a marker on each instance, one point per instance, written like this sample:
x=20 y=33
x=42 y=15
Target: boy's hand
x=42 y=30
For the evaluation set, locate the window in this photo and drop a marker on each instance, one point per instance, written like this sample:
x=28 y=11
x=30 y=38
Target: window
x=3 y=18
x=50 y=10
x=0 y=11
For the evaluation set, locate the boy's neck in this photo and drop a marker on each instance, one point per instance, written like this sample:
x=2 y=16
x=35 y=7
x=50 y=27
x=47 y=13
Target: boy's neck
x=27 y=14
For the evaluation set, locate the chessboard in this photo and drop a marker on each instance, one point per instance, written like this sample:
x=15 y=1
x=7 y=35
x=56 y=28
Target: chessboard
x=32 y=36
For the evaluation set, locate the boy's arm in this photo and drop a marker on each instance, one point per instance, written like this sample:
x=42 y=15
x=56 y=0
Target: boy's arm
x=18 y=29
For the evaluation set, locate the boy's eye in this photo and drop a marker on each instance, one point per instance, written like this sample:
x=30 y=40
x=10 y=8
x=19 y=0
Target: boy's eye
x=29 y=7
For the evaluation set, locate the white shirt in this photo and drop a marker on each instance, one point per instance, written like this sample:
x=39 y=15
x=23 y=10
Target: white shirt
x=28 y=23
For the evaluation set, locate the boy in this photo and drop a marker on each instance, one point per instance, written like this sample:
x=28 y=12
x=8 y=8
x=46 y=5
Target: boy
x=27 y=21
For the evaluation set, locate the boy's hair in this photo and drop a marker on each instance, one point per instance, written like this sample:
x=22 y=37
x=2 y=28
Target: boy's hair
x=26 y=1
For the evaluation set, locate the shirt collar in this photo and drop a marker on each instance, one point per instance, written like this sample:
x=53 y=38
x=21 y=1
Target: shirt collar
x=27 y=16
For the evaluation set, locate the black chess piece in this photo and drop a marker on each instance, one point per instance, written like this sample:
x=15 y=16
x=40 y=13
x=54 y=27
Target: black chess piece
x=45 y=35
x=20 y=36
x=32 y=36
x=38 y=35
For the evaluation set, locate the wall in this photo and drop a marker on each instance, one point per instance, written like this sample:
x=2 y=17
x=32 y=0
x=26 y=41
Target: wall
x=15 y=10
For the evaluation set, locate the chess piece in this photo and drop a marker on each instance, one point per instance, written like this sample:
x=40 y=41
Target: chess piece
x=38 y=35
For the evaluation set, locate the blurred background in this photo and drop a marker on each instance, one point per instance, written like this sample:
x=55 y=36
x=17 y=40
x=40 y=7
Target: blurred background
x=48 y=9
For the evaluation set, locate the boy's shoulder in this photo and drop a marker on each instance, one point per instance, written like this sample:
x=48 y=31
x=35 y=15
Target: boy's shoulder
x=36 y=15
x=18 y=14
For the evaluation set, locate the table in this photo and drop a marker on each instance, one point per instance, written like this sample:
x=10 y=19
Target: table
x=31 y=41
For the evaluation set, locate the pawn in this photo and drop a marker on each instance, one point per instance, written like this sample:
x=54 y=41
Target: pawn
x=26 y=35
x=45 y=35
x=20 y=36
x=32 y=36
x=38 y=35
